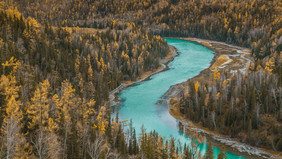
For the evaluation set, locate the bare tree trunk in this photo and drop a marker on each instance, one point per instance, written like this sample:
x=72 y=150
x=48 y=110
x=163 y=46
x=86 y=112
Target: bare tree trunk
x=13 y=137
x=280 y=98
x=213 y=118
x=54 y=148
x=65 y=142
x=95 y=148
x=245 y=111
x=257 y=114
x=1 y=150
x=274 y=95
x=8 y=143
x=84 y=138
x=39 y=144
x=232 y=105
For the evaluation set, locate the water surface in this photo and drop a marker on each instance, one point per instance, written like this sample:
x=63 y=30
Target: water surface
x=139 y=102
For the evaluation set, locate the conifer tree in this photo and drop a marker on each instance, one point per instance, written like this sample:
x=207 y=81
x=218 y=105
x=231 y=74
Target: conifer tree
x=222 y=154
x=209 y=153
x=14 y=141
x=67 y=106
x=40 y=106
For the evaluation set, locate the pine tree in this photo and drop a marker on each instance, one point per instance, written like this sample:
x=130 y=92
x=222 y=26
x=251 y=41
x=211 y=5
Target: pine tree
x=134 y=143
x=67 y=106
x=40 y=106
x=209 y=153
x=222 y=154
x=187 y=153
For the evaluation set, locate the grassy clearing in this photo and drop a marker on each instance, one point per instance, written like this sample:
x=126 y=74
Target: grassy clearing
x=221 y=60
x=173 y=101
x=127 y=82
x=144 y=75
x=206 y=43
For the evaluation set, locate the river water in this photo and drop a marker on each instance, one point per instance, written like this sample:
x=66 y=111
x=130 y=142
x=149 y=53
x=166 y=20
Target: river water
x=139 y=101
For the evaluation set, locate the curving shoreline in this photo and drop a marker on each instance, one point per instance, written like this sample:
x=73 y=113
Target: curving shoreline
x=232 y=59
x=236 y=60
x=163 y=62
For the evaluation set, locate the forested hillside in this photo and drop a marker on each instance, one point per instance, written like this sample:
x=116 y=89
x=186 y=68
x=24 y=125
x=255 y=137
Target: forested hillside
x=55 y=79
x=94 y=63
x=53 y=84
x=251 y=23
x=248 y=108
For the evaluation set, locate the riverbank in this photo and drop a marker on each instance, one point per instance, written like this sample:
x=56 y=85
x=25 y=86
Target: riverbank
x=227 y=59
x=163 y=66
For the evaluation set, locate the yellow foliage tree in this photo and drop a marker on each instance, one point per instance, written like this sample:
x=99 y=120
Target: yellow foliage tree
x=114 y=23
x=197 y=85
x=14 y=141
x=269 y=66
x=67 y=102
x=38 y=111
x=14 y=13
x=216 y=74
x=10 y=89
x=67 y=106
x=90 y=70
x=224 y=83
x=101 y=121
x=88 y=111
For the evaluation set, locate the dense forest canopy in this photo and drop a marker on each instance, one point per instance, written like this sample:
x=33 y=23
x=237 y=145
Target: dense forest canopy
x=101 y=59
x=252 y=23
x=60 y=59
x=55 y=82
x=248 y=108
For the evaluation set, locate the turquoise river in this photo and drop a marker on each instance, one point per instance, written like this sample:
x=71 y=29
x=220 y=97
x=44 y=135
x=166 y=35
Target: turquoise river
x=139 y=101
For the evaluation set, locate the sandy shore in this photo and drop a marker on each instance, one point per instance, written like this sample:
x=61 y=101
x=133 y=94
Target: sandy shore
x=227 y=58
